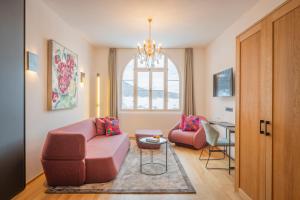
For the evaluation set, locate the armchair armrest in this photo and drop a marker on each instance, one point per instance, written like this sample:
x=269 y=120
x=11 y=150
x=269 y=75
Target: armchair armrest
x=61 y=145
x=176 y=126
x=199 y=138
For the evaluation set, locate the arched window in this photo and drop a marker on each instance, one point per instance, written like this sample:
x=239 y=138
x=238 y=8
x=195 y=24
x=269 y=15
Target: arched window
x=155 y=88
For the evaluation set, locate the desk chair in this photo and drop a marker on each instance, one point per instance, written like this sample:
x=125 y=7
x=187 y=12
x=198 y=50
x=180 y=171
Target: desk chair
x=213 y=141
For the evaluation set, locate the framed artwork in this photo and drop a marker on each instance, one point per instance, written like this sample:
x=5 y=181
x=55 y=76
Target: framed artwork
x=62 y=77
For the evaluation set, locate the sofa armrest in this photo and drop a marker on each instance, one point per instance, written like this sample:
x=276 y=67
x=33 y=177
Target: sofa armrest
x=64 y=146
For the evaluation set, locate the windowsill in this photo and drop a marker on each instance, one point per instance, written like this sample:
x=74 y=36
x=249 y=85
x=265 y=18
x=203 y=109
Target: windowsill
x=150 y=111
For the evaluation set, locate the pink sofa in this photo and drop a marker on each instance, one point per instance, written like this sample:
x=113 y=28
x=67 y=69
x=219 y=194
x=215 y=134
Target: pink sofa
x=195 y=139
x=75 y=155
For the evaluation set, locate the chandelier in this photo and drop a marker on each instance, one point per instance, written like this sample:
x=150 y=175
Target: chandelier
x=149 y=53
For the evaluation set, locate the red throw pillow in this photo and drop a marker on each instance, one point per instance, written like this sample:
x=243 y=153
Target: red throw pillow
x=100 y=126
x=181 y=125
x=112 y=127
x=191 y=123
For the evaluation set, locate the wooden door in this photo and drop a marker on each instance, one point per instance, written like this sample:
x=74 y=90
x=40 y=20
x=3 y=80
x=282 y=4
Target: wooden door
x=251 y=144
x=285 y=172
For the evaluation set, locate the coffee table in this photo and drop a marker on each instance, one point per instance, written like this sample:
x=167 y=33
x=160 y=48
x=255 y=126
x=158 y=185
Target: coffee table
x=152 y=163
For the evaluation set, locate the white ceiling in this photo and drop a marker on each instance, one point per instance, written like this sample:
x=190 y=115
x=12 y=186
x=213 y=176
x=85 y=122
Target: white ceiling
x=176 y=23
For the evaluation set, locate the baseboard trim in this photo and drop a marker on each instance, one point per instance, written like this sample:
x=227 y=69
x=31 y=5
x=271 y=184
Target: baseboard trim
x=131 y=137
x=33 y=179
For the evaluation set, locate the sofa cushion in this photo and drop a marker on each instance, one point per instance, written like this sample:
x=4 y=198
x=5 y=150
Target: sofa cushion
x=104 y=157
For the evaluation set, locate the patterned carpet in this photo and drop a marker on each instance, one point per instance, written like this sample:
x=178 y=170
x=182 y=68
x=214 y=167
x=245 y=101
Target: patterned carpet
x=131 y=181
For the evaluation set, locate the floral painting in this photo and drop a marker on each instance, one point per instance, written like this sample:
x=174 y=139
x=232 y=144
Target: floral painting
x=62 y=77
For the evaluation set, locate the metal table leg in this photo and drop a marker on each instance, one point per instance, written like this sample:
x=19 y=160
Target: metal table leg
x=141 y=161
x=166 y=156
x=152 y=162
x=151 y=156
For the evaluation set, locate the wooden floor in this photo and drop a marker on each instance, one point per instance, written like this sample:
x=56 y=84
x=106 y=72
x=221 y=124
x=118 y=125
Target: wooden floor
x=209 y=184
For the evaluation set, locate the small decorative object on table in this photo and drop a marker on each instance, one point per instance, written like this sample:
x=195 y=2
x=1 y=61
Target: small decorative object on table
x=152 y=139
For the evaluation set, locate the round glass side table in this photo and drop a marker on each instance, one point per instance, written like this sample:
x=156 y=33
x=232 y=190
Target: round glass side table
x=153 y=164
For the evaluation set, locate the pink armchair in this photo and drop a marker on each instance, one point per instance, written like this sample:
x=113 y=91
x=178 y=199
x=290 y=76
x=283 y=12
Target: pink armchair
x=195 y=139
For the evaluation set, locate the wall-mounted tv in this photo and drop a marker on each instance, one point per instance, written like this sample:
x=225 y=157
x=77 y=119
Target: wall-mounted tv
x=223 y=83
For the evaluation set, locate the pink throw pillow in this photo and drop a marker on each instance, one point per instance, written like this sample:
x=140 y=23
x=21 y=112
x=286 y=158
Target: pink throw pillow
x=191 y=123
x=100 y=126
x=112 y=127
x=181 y=125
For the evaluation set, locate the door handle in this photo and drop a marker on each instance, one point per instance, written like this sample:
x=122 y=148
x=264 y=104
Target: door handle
x=266 y=128
x=260 y=123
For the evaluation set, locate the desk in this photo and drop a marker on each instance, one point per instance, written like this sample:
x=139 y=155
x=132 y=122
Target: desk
x=230 y=128
x=223 y=124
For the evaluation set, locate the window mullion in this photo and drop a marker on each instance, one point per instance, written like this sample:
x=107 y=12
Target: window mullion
x=165 y=84
x=135 y=85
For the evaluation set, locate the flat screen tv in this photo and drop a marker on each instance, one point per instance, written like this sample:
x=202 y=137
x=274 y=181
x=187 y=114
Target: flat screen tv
x=223 y=83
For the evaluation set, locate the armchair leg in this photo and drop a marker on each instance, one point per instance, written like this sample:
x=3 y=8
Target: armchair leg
x=201 y=154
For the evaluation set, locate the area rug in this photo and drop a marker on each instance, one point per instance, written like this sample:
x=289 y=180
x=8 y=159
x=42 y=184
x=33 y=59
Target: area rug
x=131 y=181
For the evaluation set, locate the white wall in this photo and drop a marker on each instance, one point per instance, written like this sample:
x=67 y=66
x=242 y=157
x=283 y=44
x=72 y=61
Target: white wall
x=199 y=80
x=43 y=24
x=100 y=65
x=220 y=54
x=130 y=121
